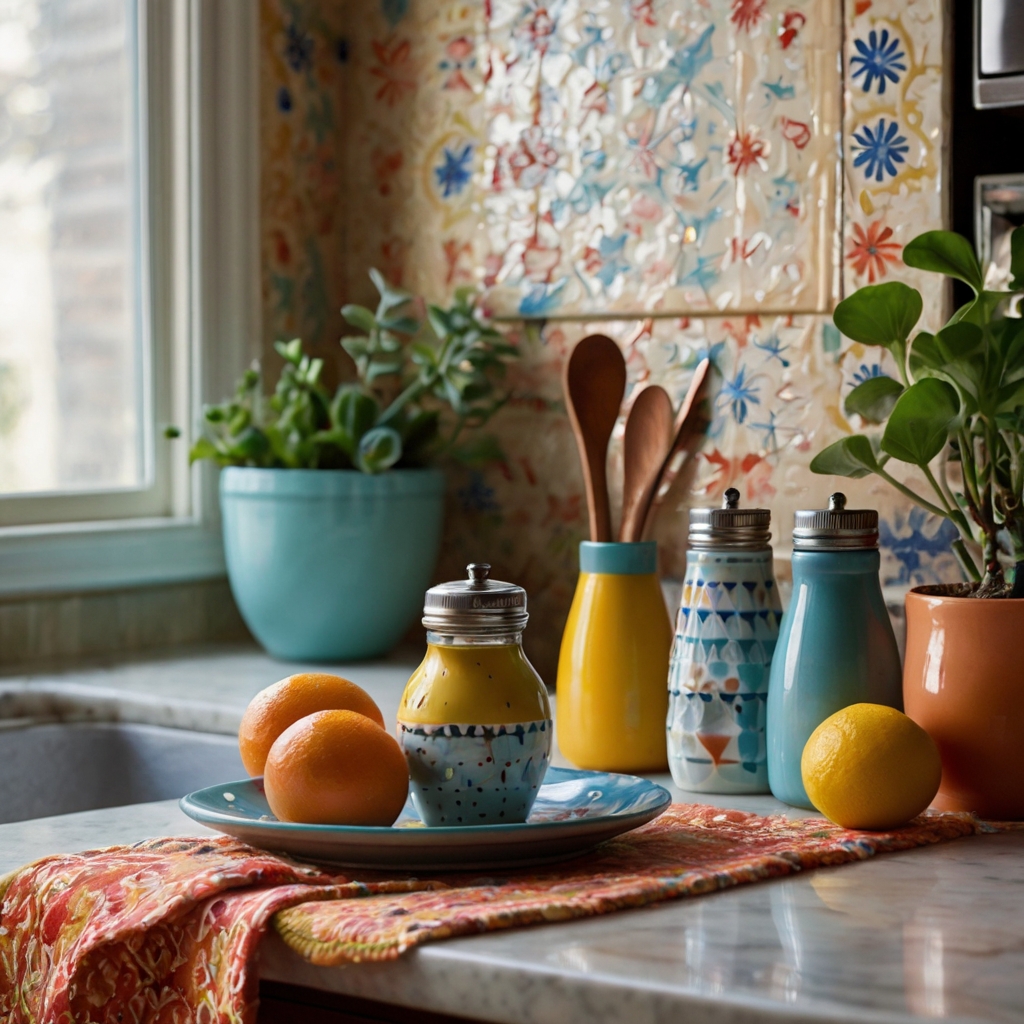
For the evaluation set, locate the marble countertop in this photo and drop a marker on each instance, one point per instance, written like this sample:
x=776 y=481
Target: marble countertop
x=930 y=933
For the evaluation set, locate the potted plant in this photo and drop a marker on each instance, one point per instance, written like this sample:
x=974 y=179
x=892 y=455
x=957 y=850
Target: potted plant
x=956 y=412
x=331 y=510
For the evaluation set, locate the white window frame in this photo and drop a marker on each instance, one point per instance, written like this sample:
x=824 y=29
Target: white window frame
x=199 y=66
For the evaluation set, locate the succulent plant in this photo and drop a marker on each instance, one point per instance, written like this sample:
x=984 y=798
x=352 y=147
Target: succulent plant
x=420 y=383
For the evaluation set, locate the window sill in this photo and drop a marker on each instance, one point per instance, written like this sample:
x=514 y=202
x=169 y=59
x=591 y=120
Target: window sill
x=99 y=556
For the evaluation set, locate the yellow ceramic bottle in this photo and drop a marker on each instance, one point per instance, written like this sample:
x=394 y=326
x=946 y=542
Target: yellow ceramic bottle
x=475 y=721
x=612 y=697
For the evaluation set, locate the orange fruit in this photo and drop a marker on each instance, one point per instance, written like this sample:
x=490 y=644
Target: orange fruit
x=336 y=768
x=272 y=710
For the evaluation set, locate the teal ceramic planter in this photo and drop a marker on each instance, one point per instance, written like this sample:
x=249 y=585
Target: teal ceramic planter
x=330 y=565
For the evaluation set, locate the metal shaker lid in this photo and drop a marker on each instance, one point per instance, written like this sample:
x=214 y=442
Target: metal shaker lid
x=836 y=527
x=477 y=606
x=730 y=527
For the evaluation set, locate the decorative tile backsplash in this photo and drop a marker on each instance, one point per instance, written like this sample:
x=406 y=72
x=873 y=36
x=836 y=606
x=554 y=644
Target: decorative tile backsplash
x=658 y=157
x=664 y=171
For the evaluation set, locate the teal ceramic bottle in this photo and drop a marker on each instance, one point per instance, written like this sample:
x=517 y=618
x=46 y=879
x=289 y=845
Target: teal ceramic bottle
x=836 y=644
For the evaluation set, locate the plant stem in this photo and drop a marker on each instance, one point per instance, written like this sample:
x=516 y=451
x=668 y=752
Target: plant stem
x=943 y=477
x=967 y=466
x=412 y=392
x=967 y=564
x=952 y=512
x=913 y=495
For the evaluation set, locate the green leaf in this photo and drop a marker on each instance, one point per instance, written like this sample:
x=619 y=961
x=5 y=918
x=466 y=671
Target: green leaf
x=204 y=448
x=980 y=310
x=851 y=457
x=880 y=314
x=1017 y=260
x=401 y=324
x=241 y=419
x=1011 y=345
x=925 y=357
x=423 y=354
x=945 y=252
x=251 y=445
x=353 y=413
x=290 y=351
x=957 y=354
x=921 y=421
x=390 y=297
x=355 y=346
x=873 y=399
x=1010 y=398
x=375 y=370
x=171 y=432
x=379 y=449
x=359 y=316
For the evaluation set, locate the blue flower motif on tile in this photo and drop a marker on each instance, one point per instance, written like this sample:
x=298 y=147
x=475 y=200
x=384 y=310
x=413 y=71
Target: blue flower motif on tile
x=879 y=58
x=298 y=49
x=478 y=495
x=773 y=346
x=705 y=274
x=284 y=100
x=920 y=544
x=541 y=299
x=736 y=393
x=683 y=66
x=867 y=372
x=610 y=252
x=770 y=432
x=454 y=174
x=880 y=150
x=778 y=91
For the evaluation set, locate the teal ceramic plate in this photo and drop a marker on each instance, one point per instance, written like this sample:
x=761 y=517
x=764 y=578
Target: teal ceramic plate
x=574 y=811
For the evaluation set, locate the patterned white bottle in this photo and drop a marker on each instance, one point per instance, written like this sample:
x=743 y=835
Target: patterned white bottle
x=726 y=631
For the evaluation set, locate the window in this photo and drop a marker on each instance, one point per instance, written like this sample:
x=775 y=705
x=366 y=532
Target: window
x=73 y=336
x=123 y=123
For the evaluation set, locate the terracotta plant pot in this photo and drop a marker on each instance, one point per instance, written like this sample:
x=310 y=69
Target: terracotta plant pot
x=963 y=682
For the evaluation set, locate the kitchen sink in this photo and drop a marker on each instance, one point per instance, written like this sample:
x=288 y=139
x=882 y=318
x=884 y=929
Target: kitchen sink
x=51 y=765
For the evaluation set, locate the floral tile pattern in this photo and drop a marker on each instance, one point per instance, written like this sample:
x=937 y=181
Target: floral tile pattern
x=659 y=156
x=631 y=158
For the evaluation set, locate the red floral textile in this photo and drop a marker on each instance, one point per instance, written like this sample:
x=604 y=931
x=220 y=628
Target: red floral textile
x=163 y=932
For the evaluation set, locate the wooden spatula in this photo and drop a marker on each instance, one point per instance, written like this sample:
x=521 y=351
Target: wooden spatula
x=649 y=432
x=594 y=382
x=690 y=427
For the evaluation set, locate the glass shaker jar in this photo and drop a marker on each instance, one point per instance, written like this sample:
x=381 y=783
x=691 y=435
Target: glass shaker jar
x=726 y=631
x=474 y=720
x=836 y=644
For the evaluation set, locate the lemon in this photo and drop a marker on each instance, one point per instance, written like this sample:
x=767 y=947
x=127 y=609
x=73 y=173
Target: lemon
x=870 y=767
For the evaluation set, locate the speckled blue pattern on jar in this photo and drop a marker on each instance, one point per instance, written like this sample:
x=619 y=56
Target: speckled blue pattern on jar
x=726 y=632
x=475 y=774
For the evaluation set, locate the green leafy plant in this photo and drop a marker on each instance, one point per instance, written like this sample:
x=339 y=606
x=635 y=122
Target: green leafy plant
x=956 y=411
x=420 y=384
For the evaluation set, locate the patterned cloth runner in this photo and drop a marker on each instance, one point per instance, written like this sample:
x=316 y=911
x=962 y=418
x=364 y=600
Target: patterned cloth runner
x=165 y=931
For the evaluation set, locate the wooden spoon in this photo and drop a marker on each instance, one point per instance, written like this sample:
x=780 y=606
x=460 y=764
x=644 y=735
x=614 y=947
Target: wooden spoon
x=690 y=428
x=594 y=382
x=649 y=433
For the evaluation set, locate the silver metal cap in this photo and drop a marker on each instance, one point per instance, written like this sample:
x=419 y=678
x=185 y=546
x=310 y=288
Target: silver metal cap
x=730 y=527
x=836 y=527
x=476 y=606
